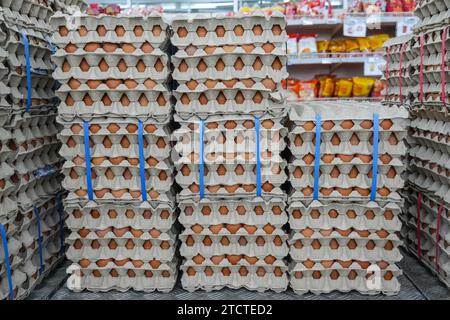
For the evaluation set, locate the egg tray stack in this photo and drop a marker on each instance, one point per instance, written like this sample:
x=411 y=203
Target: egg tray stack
x=340 y=232
x=30 y=142
x=228 y=72
x=425 y=218
x=113 y=72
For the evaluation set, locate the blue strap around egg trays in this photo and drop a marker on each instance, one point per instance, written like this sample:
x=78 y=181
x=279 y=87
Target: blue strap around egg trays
x=373 y=188
x=258 y=157
x=87 y=153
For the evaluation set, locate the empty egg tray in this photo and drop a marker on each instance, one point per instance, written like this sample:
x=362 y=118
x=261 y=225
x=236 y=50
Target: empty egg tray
x=41 y=11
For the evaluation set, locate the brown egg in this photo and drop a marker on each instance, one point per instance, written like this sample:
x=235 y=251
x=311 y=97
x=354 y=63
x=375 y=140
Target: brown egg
x=370 y=245
x=103 y=262
x=326 y=191
x=155 y=263
x=344 y=191
x=147 y=47
x=207 y=241
x=347 y=124
x=250 y=229
x=345 y=158
x=103 y=233
x=327 y=125
x=388 y=246
x=326 y=232
x=384 y=192
x=260 y=241
x=78 y=244
x=308 y=232
x=84 y=263
x=352 y=275
x=393 y=140
x=128 y=48
x=74 y=84
x=120 y=31
x=365 y=158
x=136 y=232
x=155 y=233
x=385 y=158
x=109 y=47
x=191 y=271
x=233 y=228
x=386 y=124
x=248 y=47
x=90 y=47
x=198 y=259
x=366 y=124
x=269 y=229
x=243 y=271
x=215 y=229
x=334 y=244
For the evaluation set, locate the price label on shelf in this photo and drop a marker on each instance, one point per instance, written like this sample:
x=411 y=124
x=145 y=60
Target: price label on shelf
x=355 y=27
x=374 y=67
x=405 y=26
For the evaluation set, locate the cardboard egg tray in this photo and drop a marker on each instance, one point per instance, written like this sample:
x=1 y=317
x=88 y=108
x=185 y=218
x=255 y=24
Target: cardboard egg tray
x=436 y=20
x=255 y=212
x=81 y=29
x=239 y=29
x=342 y=216
x=115 y=160
x=347 y=150
x=428 y=230
x=69 y=6
x=143 y=216
x=158 y=276
x=231 y=62
x=229 y=155
x=319 y=279
x=427 y=8
x=30 y=8
x=118 y=244
x=259 y=276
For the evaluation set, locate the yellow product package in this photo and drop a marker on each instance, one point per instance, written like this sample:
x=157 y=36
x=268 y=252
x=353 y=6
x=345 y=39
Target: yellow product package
x=376 y=41
x=322 y=46
x=351 y=45
x=362 y=86
x=345 y=88
x=326 y=87
x=364 y=44
x=337 y=46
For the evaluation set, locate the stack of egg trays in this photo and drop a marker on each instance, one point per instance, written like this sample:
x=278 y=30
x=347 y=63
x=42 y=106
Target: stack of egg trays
x=340 y=237
x=32 y=133
x=113 y=72
x=425 y=219
x=228 y=70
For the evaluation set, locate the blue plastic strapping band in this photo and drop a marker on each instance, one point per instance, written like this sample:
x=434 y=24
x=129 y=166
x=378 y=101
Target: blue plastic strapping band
x=202 y=159
x=373 y=189
x=61 y=223
x=142 y=160
x=317 y=157
x=87 y=155
x=50 y=44
x=41 y=261
x=27 y=61
x=7 y=262
x=258 y=156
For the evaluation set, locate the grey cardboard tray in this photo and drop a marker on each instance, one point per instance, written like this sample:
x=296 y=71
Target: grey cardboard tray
x=221 y=29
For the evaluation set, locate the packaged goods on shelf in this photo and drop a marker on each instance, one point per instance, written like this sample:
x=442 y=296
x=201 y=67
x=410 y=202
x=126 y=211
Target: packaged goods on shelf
x=31 y=216
x=115 y=111
x=227 y=151
x=343 y=220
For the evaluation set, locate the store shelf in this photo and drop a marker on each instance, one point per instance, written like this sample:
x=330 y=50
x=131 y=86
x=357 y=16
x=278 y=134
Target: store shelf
x=334 y=58
x=335 y=99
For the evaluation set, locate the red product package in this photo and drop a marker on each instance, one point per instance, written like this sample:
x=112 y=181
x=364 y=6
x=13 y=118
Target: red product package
x=394 y=6
x=409 y=5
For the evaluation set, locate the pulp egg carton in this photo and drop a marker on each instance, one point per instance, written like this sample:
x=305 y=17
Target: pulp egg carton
x=255 y=212
x=434 y=21
x=350 y=244
x=81 y=29
x=18 y=279
x=329 y=276
x=432 y=66
x=229 y=101
x=120 y=244
x=221 y=29
x=89 y=70
x=432 y=98
x=428 y=8
x=399 y=56
x=234 y=239
x=144 y=216
x=430 y=131
x=207 y=68
x=370 y=216
x=17 y=19
x=39 y=10
x=69 y=6
x=140 y=103
x=229 y=155
x=115 y=159
x=258 y=277
x=155 y=276
x=38 y=189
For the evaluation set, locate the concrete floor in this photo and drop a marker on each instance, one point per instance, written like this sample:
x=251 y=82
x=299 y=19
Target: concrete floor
x=417 y=283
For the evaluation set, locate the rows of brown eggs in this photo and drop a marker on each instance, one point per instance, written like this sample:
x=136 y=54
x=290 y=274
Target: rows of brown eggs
x=30 y=163
x=114 y=72
x=341 y=240
x=237 y=242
